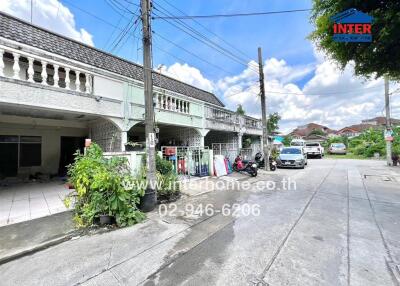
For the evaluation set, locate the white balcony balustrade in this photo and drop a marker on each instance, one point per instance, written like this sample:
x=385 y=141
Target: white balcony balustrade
x=24 y=67
x=167 y=102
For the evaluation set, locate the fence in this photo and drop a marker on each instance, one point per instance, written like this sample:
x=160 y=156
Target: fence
x=229 y=150
x=188 y=161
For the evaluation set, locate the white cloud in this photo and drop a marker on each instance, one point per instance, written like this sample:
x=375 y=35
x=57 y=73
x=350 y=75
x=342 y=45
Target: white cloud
x=189 y=75
x=331 y=97
x=49 y=14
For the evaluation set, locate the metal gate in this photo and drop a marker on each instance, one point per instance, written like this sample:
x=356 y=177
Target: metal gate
x=188 y=161
x=229 y=150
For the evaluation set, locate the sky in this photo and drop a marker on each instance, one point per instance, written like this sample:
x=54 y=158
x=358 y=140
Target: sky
x=302 y=84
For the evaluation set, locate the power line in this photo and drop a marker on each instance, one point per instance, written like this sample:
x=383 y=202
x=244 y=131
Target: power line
x=119 y=8
x=191 y=53
x=202 y=38
x=232 y=15
x=211 y=32
x=357 y=91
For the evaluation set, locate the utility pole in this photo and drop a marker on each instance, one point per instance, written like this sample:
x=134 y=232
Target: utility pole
x=149 y=199
x=263 y=112
x=388 y=124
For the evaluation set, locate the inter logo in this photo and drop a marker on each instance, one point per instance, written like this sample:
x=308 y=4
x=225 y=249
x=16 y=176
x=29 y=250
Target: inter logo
x=352 y=26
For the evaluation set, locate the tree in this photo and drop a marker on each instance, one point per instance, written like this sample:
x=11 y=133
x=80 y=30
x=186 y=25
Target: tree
x=378 y=58
x=240 y=110
x=286 y=140
x=317 y=132
x=273 y=122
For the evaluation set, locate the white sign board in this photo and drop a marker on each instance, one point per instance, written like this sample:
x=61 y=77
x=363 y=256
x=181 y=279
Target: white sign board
x=152 y=140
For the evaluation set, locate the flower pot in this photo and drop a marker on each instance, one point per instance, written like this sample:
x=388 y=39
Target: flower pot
x=106 y=219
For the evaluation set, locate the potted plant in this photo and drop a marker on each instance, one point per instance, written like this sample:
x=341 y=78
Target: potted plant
x=395 y=157
x=134 y=146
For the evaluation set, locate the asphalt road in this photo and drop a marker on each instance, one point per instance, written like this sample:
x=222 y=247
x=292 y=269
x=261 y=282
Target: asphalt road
x=338 y=226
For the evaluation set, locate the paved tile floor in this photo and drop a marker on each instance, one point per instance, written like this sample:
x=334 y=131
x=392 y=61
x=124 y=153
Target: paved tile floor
x=27 y=201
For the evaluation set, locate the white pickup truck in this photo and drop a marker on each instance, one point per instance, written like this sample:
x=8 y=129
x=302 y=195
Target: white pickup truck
x=314 y=149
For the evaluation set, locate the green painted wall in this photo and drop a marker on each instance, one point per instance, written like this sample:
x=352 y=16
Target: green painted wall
x=135 y=96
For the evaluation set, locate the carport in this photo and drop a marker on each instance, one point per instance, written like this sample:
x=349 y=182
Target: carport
x=168 y=135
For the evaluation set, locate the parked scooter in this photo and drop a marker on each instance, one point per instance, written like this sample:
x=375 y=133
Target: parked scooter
x=259 y=158
x=249 y=167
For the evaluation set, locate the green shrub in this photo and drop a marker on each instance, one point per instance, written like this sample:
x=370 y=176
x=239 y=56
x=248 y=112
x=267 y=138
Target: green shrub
x=163 y=166
x=104 y=187
x=168 y=185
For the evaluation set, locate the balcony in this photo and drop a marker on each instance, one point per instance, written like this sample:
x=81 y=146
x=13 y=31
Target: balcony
x=226 y=120
x=21 y=66
x=27 y=79
x=171 y=103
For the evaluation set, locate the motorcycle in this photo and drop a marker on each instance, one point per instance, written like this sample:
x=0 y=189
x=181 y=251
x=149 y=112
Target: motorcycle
x=249 y=167
x=259 y=159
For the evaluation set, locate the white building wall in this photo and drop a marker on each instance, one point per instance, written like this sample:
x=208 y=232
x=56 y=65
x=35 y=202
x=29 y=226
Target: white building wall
x=108 y=88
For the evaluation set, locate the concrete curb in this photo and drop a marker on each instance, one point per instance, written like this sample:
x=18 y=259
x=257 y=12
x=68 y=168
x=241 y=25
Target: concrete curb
x=36 y=248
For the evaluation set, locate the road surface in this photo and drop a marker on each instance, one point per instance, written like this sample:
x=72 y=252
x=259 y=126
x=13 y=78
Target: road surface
x=338 y=226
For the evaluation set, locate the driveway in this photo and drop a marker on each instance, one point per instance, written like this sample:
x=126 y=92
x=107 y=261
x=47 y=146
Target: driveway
x=338 y=226
x=25 y=201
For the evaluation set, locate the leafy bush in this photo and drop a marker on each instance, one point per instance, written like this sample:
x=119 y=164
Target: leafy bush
x=167 y=181
x=371 y=141
x=168 y=185
x=104 y=187
x=163 y=166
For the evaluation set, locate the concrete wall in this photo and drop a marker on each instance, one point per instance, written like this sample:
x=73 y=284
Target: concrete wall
x=50 y=143
x=35 y=95
x=108 y=88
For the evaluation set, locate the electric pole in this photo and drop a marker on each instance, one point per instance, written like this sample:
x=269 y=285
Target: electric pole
x=388 y=124
x=263 y=112
x=149 y=199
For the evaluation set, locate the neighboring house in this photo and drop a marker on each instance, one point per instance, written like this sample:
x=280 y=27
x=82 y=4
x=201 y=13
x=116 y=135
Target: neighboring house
x=381 y=121
x=310 y=130
x=354 y=130
x=55 y=92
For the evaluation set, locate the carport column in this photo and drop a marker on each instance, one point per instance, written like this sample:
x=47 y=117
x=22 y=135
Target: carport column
x=203 y=132
x=240 y=140
x=124 y=140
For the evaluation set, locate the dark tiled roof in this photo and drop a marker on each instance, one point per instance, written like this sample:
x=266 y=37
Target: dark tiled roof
x=307 y=129
x=20 y=31
x=380 y=120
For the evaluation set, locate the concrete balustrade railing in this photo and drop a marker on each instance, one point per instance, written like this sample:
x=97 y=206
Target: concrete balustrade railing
x=26 y=67
x=171 y=103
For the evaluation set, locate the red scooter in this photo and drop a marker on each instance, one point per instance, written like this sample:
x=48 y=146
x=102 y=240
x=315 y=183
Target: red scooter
x=249 y=167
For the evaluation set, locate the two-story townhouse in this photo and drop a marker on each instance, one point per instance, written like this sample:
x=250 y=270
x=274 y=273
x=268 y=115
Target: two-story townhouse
x=55 y=92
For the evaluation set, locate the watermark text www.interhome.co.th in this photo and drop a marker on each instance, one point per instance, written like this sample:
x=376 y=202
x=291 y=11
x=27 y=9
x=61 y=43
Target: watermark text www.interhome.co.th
x=285 y=184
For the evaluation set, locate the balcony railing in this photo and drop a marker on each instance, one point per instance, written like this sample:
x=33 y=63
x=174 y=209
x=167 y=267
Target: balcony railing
x=222 y=115
x=171 y=103
x=25 y=67
x=252 y=122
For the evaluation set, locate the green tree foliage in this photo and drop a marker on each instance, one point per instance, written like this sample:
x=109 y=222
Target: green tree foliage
x=240 y=110
x=371 y=141
x=382 y=56
x=317 y=132
x=273 y=122
x=286 y=140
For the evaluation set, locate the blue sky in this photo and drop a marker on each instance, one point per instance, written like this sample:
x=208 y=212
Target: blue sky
x=280 y=36
x=302 y=84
